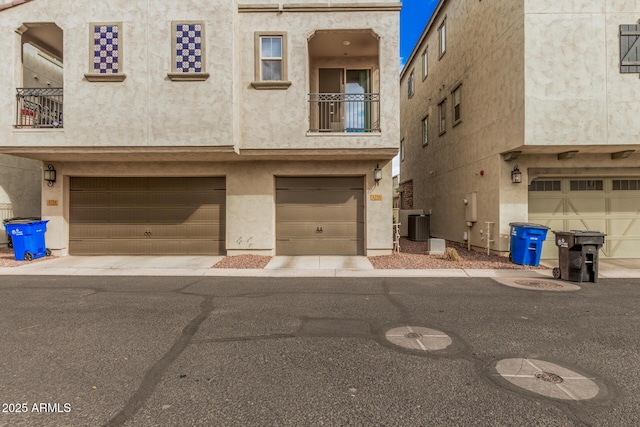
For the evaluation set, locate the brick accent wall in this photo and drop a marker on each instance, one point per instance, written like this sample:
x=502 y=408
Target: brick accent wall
x=406 y=197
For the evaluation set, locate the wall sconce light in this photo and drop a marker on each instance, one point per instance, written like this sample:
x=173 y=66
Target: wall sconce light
x=516 y=175
x=50 y=175
x=377 y=173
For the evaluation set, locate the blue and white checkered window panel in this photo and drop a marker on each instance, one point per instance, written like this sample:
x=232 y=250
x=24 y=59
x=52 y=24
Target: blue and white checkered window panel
x=189 y=48
x=105 y=49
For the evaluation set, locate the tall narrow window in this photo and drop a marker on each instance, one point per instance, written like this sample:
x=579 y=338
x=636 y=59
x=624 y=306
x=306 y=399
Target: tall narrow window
x=411 y=84
x=270 y=61
x=456 y=105
x=442 y=108
x=442 y=37
x=402 y=150
x=106 y=52
x=425 y=130
x=188 y=51
x=425 y=63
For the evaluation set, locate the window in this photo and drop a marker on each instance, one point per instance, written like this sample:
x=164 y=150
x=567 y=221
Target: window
x=425 y=63
x=630 y=48
x=105 y=52
x=586 y=185
x=270 y=61
x=425 y=130
x=456 y=105
x=411 y=84
x=402 y=150
x=187 y=51
x=442 y=37
x=442 y=108
x=626 y=184
x=545 y=185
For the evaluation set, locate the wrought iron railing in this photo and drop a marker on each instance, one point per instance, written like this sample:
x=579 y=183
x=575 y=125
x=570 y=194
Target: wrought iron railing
x=344 y=112
x=39 y=107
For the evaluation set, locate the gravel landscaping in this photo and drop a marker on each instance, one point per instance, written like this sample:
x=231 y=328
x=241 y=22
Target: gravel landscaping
x=7 y=258
x=413 y=255
x=243 y=261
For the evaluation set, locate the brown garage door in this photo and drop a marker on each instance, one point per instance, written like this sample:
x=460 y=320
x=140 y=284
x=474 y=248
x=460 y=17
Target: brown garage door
x=320 y=216
x=147 y=216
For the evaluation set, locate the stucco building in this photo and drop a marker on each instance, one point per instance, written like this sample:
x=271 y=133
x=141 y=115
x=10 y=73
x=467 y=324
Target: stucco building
x=548 y=88
x=207 y=127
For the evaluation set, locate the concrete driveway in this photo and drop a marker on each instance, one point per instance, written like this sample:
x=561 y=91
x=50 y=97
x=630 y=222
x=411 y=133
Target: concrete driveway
x=141 y=351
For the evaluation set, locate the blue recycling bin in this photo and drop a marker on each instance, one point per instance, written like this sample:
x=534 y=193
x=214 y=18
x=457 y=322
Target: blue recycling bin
x=28 y=239
x=526 y=243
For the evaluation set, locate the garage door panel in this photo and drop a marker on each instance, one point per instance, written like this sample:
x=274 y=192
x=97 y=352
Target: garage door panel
x=323 y=183
x=319 y=198
x=329 y=230
x=625 y=205
x=547 y=207
x=137 y=216
x=586 y=206
x=297 y=213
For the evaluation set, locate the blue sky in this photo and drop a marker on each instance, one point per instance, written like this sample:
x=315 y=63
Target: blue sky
x=414 y=16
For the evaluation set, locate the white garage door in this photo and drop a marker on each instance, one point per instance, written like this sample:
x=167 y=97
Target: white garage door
x=608 y=205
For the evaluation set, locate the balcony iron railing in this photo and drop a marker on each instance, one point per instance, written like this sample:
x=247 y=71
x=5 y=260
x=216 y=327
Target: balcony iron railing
x=344 y=112
x=39 y=107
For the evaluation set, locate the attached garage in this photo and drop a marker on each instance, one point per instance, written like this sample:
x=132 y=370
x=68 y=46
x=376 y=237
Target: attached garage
x=147 y=216
x=608 y=205
x=320 y=216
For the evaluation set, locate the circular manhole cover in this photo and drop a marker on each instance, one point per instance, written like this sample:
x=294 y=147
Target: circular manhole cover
x=418 y=338
x=547 y=379
x=538 y=284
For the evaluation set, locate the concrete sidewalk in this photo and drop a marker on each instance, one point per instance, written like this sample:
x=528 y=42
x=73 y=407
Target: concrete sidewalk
x=279 y=266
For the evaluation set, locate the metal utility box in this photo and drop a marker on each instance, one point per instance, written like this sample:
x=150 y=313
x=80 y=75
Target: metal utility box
x=419 y=228
x=578 y=255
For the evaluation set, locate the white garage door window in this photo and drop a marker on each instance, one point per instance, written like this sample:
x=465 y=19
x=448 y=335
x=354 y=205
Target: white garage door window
x=608 y=205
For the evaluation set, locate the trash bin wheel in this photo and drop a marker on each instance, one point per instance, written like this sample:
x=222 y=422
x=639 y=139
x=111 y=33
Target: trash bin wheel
x=28 y=256
x=10 y=244
x=556 y=273
x=510 y=258
x=47 y=252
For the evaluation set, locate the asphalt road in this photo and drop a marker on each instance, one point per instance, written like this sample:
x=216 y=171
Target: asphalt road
x=296 y=352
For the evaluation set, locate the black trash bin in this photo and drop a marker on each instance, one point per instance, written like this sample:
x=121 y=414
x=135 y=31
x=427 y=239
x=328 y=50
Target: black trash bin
x=578 y=255
x=17 y=219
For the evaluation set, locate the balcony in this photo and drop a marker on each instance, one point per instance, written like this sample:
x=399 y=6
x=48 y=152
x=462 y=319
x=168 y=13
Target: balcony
x=39 y=108
x=344 y=112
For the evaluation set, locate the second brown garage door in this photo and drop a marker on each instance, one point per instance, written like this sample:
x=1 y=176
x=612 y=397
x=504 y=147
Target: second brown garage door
x=147 y=216
x=320 y=216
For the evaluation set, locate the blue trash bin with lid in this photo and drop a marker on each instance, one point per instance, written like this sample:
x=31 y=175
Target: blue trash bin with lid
x=28 y=239
x=526 y=243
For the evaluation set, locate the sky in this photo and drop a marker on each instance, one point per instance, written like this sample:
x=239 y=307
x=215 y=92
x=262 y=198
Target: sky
x=414 y=16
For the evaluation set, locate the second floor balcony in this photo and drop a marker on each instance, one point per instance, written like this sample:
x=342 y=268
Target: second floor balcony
x=344 y=112
x=39 y=108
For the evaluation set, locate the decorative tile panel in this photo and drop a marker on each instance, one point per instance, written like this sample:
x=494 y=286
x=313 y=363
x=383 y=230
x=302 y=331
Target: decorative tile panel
x=106 y=48
x=188 y=50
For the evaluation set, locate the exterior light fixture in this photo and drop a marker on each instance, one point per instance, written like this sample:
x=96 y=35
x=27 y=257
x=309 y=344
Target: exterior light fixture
x=377 y=173
x=516 y=175
x=50 y=175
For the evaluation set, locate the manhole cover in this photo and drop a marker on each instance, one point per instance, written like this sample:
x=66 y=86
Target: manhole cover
x=547 y=379
x=418 y=338
x=539 y=284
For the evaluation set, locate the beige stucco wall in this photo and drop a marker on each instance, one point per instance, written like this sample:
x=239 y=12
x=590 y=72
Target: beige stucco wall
x=146 y=109
x=575 y=93
x=250 y=203
x=20 y=181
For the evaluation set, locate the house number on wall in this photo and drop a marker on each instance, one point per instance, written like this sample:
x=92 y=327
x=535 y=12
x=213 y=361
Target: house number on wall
x=52 y=203
x=376 y=197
